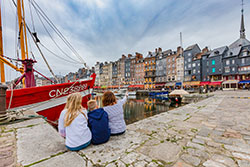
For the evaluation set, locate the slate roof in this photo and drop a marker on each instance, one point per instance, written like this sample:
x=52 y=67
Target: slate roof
x=239 y=42
x=233 y=52
x=218 y=51
x=191 y=47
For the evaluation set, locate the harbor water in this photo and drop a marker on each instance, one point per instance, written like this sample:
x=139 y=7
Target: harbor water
x=139 y=107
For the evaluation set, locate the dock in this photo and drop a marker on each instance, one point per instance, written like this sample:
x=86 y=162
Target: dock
x=212 y=132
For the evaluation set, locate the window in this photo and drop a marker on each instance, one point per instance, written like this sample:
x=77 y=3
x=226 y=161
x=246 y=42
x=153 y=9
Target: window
x=213 y=69
x=198 y=71
x=227 y=62
x=194 y=71
x=193 y=64
x=207 y=63
x=233 y=61
x=198 y=64
x=189 y=59
x=245 y=53
x=189 y=65
x=233 y=69
x=189 y=54
x=243 y=61
x=213 y=62
x=173 y=59
x=227 y=69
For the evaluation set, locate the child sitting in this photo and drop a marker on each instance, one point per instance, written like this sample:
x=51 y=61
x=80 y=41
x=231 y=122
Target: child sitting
x=98 y=123
x=73 y=124
x=115 y=112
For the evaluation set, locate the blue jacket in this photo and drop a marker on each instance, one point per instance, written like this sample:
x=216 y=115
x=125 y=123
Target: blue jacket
x=99 y=126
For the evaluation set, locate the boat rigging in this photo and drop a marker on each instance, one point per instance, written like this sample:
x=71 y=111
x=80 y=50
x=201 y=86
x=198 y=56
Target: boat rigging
x=26 y=68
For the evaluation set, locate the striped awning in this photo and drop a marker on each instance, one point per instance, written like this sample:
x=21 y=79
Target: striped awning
x=230 y=81
x=192 y=83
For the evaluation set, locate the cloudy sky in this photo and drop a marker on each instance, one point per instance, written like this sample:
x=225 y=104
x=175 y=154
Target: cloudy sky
x=103 y=30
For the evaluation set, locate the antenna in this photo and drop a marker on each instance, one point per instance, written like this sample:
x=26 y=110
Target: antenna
x=181 y=41
x=182 y=50
x=242 y=4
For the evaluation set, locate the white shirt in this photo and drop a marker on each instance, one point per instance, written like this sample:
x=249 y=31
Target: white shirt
x=116 y=117
x=78 y=132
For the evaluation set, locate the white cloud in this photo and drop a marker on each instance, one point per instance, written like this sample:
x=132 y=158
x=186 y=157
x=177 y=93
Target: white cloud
x=103 y=30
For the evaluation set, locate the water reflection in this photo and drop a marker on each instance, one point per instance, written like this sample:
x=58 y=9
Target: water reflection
x=139 y=107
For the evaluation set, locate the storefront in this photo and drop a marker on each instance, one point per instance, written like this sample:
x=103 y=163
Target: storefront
x=230 y=84
x=244 y=84
x=170 y=85
x=160 y=85
x=192 y=86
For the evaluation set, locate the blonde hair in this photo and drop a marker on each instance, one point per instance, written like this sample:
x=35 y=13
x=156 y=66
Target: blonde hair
x=91 y=105
x=73 y=106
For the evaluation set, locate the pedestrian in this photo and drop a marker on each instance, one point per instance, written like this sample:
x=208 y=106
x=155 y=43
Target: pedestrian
x=98 y=123
x=73 y=124
x=115 y=112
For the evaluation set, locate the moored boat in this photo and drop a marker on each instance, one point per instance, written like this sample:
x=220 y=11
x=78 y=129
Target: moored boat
x=48 y=100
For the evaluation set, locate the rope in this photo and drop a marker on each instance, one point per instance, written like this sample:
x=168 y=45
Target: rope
x=31 y=15
x=11 y=86
x=38 y=9
x=61 y=58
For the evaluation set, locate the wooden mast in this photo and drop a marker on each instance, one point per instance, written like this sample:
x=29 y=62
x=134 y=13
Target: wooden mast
x=1 y=50
x=22 y=30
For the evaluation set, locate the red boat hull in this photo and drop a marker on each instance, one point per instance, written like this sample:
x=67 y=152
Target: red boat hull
x=49 y=100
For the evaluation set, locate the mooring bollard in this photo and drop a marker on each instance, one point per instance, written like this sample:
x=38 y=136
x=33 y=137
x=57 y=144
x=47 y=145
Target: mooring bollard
x=3 y=113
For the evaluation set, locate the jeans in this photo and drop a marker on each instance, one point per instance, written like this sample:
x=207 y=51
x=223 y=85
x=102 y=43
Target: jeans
x=79 y=147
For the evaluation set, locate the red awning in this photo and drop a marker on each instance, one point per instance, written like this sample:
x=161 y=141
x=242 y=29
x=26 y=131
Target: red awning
x=160 y=84
x=136 y=86
x=96 y=87
x=215 y=83
x=204 y=83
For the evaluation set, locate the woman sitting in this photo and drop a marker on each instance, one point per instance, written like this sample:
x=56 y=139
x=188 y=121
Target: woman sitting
x=114 y=109
x=73 y=124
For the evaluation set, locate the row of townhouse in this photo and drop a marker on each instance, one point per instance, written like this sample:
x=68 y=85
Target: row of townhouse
x=82 y=73
x=227 y=65
x=156 y=69
x=224 y=66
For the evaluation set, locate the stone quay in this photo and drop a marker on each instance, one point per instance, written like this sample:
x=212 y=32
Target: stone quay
x=214 y=132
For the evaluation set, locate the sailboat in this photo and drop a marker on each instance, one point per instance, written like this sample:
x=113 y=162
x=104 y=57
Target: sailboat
x=48 y=100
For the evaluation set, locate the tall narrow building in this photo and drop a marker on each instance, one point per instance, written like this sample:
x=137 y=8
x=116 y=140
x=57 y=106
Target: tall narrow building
x=232 y=61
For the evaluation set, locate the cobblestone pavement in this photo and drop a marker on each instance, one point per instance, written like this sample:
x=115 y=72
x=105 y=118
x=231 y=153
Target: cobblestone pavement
x=214 y=132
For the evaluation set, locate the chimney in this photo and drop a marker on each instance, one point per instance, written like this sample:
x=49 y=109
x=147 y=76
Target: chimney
x=129 y=55
x=156 y=50
x=159 y=50
x=205 y=50
x=123 y=56
x=138 y=55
